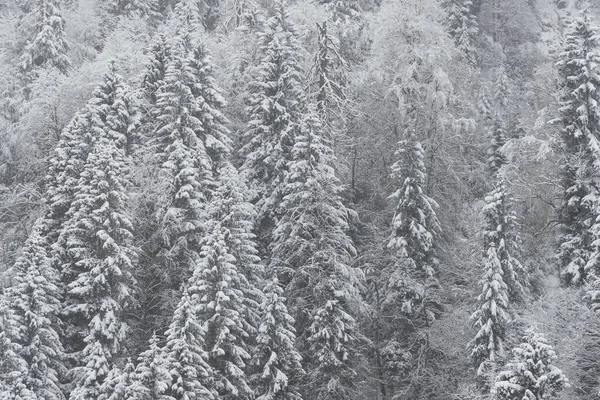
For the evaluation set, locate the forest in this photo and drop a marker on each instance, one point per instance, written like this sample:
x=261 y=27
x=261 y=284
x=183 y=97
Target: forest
x=299 y=199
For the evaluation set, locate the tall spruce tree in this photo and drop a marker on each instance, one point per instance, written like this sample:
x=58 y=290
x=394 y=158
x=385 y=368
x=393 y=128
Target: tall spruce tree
x=277 y=362
x=100 y=258
x=151 y=376
x=189 y=141
x=496 y=158
x=35 y=301
x=161 y=54
x=415 y=224
x=462 y=25
x=46 y=45
x=312 y=254
x=580 y=130
x=132 y=8
x=530 y=375
x=275 y=112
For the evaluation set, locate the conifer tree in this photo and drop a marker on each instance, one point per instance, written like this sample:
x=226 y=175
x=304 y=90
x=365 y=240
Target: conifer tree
x=161 y=54
x=189 y=141
x=415 y=224
x=275 y=356
x=151 y=376
x=100 y=258
x=275 y=112
x=131 y=8
x=485 y=103
x=117 y=382
x=312 y=253
x=463 y=26
x=531 y=374
x=47 y=45
x=186 y=360
x=502 y=89
x=579 y=120
x=343 y=11
x=35 y=299
x=496 y=159
x=12 y=367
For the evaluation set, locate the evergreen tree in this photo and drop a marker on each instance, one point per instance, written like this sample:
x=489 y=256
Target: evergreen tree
x=531 y=374
x=501 y=233
x=415 y=224
x=462 y=25
x=131 y=8
x=236 y=215
x=46 y=45
x=189 y=141
x=496 y=158
x=485 y=103
x=275 y=356
x=343 y=11
x=151 y=377
x=117 y=382
x=100 y=258
x=13 y=368
x=579 y=120
x=161 y=54
x=491 y=317
x=275 y=112
x=35 y=299
x=312 y=253
x=502 y=89
x=190 y=375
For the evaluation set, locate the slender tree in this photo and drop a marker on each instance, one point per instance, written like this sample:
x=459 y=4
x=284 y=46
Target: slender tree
x=151 y=377
x=462 y=25
x=46 y=45
x=496 y=158
x=580 y=129
x=161 y=54
x=275 y=112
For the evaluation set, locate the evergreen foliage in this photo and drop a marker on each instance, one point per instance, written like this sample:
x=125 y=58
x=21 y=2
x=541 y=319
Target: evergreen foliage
x=496 y=157
x=275 y=113
x=151 y=376
x=46 y=45
x=275 y=356
x=131 y=8
x=580 y=129
x=463 y=26
x=530 y=375
x=312 y=253
x=161 y=54
x=415 y=224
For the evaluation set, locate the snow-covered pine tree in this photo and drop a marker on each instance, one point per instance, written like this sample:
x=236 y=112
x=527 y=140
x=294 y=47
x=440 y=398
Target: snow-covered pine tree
x=35 y=300
x=151 y=378
x=236 y=214
x=278 y=363
x=219 y=288
x=530 y=375
x=415 y=224
x=496 y=158
x=275 y=111
x=491 y=318
x=189 y=141
x=580 y=131
x=161 y=54
x=312 y=253
x=500 y=231
x=502 y=89
x=485 y=103
x=12 y=367
x=100 y=257
x=343 y=11
x=46 y=45
x=462 y=26
x=117 y=382
x=186 y=360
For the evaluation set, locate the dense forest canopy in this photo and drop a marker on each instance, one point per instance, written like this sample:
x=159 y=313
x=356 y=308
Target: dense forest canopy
x=299 y=199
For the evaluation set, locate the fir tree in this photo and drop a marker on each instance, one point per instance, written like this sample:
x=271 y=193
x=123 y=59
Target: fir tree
x=496 y=158
x=531 y=374
x=190 y=140
x=161 y=54
x=117 y=382
x=275 y=112
x=275 y=356
x=13 y=368
x=462 y=26
x=220 y=287
x=579 y=120
x=131 y=8
x=35 y=300
x=491 y=318
x=343 y=11
x=100 y=255
x=190 y=375
x=502 y=89
x=485 y=103
x=312 y=252
x=151 y=377
x=415 y=224
x=501 y=232
x=47 y=45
